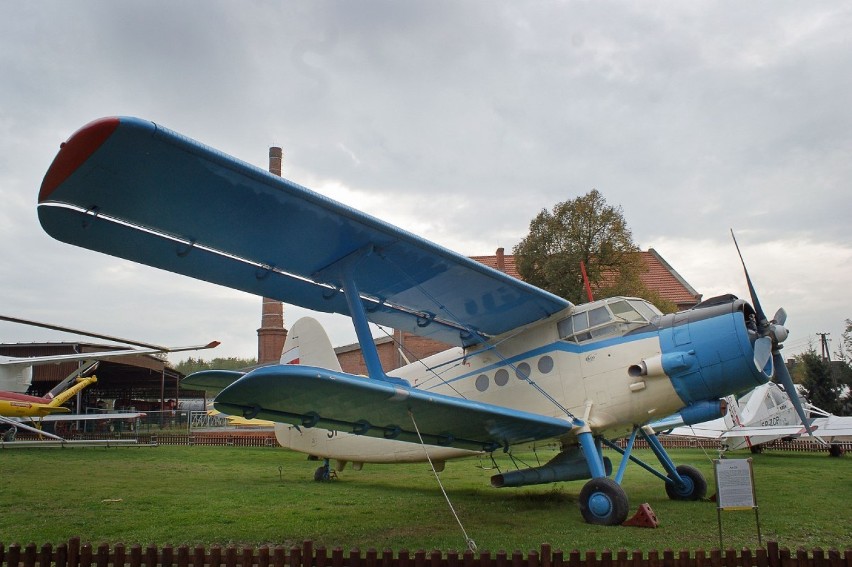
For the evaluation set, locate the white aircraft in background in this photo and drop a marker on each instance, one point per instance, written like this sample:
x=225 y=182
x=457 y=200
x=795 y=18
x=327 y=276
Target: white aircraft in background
x=525 y=365
x=763 y=415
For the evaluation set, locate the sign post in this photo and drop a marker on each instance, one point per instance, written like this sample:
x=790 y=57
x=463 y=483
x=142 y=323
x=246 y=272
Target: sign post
x=735 y=490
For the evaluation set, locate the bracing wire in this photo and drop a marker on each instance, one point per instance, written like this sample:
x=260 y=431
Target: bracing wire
x=452 y=317
x=471 y=545
x=418 y=360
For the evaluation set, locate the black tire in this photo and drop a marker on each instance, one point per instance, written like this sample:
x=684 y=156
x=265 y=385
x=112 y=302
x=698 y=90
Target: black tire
x=603 y=502
x=694 y=488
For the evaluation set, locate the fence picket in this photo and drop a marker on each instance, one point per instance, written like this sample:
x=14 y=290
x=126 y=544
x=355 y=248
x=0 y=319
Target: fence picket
x=75 y=554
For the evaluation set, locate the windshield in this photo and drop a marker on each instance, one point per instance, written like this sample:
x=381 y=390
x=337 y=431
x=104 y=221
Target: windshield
x=606 y=318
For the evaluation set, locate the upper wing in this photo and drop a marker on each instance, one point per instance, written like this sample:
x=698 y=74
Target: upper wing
x=135 y=190
x=310 y=396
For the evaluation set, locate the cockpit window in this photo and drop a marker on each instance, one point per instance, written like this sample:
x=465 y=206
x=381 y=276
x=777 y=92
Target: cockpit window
x=610 y=317
x=599 y=316
x=648 y=311
x=623 y=310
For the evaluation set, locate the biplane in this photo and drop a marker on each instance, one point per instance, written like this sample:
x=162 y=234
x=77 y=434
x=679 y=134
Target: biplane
x=523 y=365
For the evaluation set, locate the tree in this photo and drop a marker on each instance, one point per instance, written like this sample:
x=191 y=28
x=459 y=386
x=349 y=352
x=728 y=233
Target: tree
x=584 y=229
x=818 y=382
x=845 y=369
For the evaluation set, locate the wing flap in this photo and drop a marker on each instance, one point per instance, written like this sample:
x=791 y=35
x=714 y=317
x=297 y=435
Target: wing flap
x=311 y=396
x=185 y=199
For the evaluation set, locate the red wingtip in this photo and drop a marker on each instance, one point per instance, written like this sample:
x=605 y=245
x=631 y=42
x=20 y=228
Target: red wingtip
x=75 y=151
x=213 y=344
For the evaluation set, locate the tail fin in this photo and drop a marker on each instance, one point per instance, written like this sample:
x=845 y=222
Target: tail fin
x=307 y=343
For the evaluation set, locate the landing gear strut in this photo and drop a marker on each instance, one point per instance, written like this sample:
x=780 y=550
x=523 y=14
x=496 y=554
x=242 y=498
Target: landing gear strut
x=325 y=472
x=604 y=502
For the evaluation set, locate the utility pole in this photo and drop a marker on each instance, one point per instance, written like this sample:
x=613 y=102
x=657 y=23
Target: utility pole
x=823 y=341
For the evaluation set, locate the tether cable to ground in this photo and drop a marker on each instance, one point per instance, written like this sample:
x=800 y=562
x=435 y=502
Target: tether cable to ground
x=471 y=545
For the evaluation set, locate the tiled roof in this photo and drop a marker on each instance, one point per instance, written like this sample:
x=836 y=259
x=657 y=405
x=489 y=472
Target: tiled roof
x=659 y=276
x=663 y=279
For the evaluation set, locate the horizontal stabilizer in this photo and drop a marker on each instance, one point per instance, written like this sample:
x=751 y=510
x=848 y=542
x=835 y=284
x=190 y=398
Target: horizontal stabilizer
x=211 y=381
x=316 y=397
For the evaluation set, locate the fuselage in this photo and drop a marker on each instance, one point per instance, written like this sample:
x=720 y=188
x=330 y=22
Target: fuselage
x=13 y=404
x=614 y=364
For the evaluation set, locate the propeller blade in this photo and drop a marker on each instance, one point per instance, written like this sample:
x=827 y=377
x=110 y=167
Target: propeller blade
x=783 y=376
x=761 y=316
x=780 y=316
x=762 y=353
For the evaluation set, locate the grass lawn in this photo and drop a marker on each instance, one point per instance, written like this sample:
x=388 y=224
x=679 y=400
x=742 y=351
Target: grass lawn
x=254 y=496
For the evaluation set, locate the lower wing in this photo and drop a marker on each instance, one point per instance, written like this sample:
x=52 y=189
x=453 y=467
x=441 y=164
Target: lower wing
x=309 y=396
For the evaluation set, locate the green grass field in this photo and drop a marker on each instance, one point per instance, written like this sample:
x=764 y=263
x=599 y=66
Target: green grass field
x=245 y=496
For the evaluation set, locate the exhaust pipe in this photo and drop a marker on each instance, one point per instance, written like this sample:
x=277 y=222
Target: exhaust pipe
x=567 y=465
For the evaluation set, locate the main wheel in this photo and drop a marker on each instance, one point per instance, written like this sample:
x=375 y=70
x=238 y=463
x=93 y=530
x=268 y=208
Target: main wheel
x=694 y=486
x=603 y=502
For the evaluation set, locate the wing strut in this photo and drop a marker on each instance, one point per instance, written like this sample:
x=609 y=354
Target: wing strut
x=344 y=270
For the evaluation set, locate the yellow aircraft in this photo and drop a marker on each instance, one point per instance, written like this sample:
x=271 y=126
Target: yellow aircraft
x=13 y=404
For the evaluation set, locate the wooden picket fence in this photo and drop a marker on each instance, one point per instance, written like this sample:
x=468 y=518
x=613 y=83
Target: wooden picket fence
x=75 y=554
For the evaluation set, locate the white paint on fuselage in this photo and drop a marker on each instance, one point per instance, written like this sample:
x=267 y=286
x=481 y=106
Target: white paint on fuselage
x=590 y=380
x=591 y=377
x=358 y=449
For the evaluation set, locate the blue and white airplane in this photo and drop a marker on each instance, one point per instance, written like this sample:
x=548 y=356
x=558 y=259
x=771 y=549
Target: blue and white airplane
x=525 y=365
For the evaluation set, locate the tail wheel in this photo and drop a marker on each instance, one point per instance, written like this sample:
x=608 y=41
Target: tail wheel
x=603 y=502
x=694 y=486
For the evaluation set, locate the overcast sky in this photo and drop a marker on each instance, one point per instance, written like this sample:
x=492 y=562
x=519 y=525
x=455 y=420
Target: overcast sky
x=459 y=121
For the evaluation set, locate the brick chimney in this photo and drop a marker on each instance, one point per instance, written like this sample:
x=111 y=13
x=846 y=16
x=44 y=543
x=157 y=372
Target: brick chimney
x=272 y=334
x=501 y=259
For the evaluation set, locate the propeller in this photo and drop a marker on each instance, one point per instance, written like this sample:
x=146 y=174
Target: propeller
x=767 y=346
